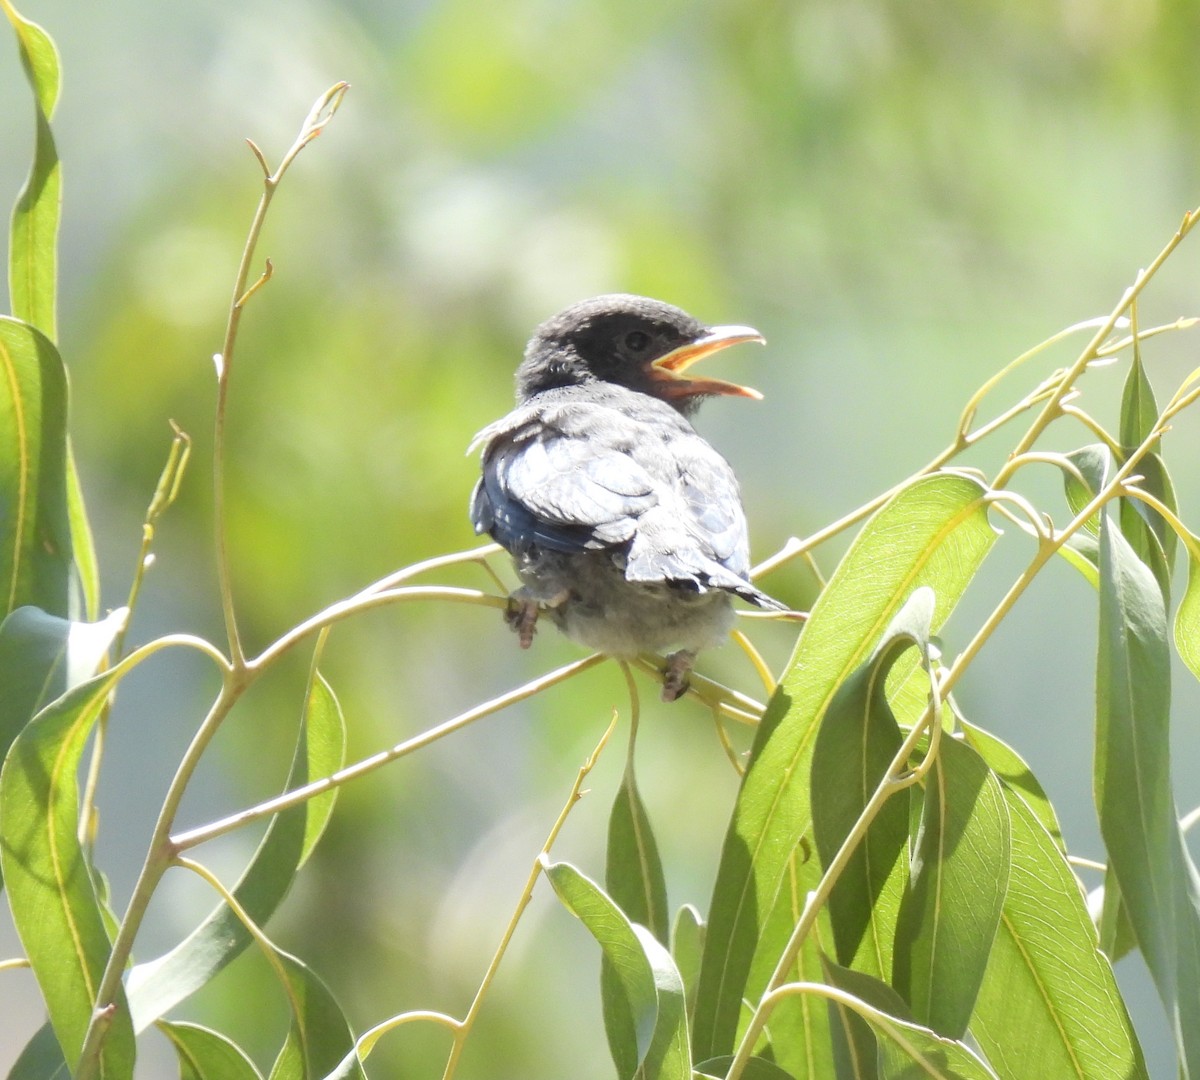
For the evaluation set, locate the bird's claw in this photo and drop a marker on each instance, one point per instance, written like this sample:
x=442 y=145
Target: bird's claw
x=522 y=615
x=675 y=674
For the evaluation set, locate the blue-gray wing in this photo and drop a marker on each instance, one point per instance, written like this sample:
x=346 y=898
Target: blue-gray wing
x=579 y=477
x=560 y=486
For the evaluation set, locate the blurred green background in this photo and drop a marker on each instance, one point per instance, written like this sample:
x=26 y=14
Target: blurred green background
x=900 y=196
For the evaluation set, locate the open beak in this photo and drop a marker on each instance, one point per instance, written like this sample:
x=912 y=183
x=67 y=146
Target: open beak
x=670 y=372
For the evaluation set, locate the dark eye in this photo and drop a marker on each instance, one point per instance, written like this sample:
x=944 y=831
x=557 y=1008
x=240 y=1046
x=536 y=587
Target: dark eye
x=636 y=341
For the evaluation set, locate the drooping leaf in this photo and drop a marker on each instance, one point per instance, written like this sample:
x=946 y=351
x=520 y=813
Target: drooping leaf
x=1187 y=615
x=934 y=532
x=855 y=1048
x=1012 y=771
x=1049 y=1003
x=855 y=747
x=158 y=985
x=41 y=1059
x=960 y=866
x=634 y=880
x=1134 y=797
x=687 y=943
x=33 y=245
x=1146 y=530
x=51 y=892
x=35 y=533
x=319 y=1036
x=205 y=1054
x=324 y=740
x=651 y=1041
x=633 y=873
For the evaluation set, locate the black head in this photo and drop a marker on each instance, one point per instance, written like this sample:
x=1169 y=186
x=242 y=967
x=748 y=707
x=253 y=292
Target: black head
x=632 y=341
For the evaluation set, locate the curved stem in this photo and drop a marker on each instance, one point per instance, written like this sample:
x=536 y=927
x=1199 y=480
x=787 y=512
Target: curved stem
x=468 y=1021
x=300 y=795
x=320 y=115
x=365 y=601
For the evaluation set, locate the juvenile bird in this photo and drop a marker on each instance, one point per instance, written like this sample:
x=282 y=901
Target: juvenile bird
x=625 y=526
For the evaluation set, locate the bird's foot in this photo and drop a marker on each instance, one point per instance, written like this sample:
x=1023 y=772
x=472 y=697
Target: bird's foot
x=675 y=675
x=522 y=615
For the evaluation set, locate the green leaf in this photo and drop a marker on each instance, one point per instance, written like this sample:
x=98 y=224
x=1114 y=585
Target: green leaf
x=1093 y=463
x=51 y=893
x=1117 y=938
x=855 y=747
x=82 y=543
x=1187 y=616
x=633 y=874
x=323 y=735
x=319 y=1037
x=1049 y=1003
x=1138 y=821
x=756 y=1069
x=1146 y=530
x=158 y=985
x=960 y=867
x=799 y=1032
x=648 y=1033
x=687 y=943
x=40 y=657
x=934 y=532
x=35 y=534
x=205 y=1054
x=634 y=881
x=33 y=257
x=1012 y=771
x=41 y=1059
x=857 y=1052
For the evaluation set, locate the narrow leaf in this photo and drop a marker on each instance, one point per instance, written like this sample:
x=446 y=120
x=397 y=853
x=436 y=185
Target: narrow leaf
x=652 y=1040
x=857 y=742
x=934 y=532
x=1187 y=616
x=1145 y=529
x=800 y=1039
x=959 y=875
x=52 y=897
x=82 y=543
x=633 y=873
x=205 y=1054
x=1049 y=1003
x=319 y=1036
x=324 y=738
x=32 y=257
x=756 y=1069
x=41 y=1059
x=1138 y=820
x=156 y=986
x=1016 y=776
x=687 y=943
x=35 y=535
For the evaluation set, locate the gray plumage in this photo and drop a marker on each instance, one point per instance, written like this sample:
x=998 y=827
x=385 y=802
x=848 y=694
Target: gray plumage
x=625 y=526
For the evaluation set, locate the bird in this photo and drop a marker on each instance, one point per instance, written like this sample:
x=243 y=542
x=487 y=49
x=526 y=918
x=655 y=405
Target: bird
x=625 y=526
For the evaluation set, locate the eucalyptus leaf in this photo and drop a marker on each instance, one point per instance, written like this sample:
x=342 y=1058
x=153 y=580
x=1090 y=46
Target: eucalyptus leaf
x=957 y=883
x=933 y=532
x=205 y=1054
x=319 y=1036
x=35 y=532
x=156 y=986
x=51 y=892
x=858 y=740
x=1138 y=820
x=1049 y=1004
x=647 y=1034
